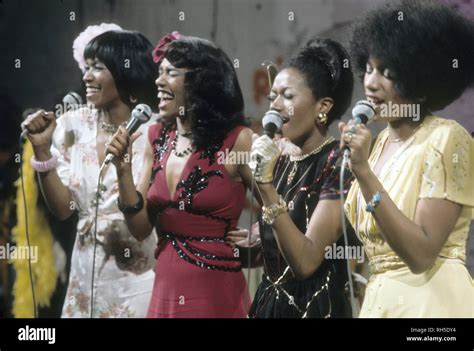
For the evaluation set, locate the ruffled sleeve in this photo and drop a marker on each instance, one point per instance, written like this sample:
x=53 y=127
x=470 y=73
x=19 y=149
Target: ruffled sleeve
x=62 y=140
x=448 y=169
x=330 y=189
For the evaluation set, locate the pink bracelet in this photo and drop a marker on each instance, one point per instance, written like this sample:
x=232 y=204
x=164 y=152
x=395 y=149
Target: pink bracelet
x=44 y=166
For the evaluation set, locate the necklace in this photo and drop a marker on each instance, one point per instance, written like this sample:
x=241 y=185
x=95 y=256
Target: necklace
x=315 y=151
x=111 y=128
x=183 y=153
x=297 y=159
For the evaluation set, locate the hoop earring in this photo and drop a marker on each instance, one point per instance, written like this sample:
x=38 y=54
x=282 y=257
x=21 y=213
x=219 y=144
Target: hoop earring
x=322 y=118
x=133 y=100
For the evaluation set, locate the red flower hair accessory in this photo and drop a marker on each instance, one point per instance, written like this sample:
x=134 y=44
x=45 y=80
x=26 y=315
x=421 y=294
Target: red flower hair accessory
x=160 y=49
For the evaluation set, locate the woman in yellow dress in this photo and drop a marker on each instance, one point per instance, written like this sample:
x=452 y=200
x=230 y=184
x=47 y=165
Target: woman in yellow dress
x=411 y=203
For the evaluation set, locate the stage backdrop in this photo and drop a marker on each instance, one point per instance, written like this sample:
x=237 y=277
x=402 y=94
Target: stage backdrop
x=37 y=68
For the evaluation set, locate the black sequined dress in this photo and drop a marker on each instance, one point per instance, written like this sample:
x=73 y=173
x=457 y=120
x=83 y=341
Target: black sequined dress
x=323 y=293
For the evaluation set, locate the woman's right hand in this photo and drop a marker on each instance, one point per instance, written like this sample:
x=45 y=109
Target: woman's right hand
x=264 y=156
x=240 y=237
x=121 y=147
x=40 y=126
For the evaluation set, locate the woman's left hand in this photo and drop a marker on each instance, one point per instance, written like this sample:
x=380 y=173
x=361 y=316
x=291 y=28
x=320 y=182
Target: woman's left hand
x=241 y=238
x=358 y=139
x=264 y=156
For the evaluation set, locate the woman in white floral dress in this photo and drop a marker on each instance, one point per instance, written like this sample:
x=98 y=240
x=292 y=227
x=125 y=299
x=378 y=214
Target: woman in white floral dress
x=67 y=155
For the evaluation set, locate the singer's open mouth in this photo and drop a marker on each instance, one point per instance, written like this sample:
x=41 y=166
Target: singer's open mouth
x=90 y=89
x=375 y=101
x=165 y=95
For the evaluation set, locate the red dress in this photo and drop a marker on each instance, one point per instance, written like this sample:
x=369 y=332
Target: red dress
x=197 y=274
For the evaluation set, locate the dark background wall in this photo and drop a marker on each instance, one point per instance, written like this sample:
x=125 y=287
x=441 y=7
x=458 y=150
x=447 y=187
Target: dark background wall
x=40 y=35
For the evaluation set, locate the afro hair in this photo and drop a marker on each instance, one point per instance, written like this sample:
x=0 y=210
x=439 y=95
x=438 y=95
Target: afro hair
x=428 y=47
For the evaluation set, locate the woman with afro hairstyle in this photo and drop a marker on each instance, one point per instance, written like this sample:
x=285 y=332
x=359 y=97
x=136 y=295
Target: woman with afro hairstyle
x=191 y=194
x=412 y=200
x=313 y=90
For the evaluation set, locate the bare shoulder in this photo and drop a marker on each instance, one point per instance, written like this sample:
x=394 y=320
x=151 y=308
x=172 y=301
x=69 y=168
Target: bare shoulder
x=244 y=140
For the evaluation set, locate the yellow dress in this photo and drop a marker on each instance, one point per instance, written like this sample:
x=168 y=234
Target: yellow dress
x=436 y=162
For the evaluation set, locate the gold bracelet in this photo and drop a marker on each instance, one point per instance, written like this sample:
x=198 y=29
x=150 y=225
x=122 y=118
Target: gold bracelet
x=270 y=213
x=264 y=180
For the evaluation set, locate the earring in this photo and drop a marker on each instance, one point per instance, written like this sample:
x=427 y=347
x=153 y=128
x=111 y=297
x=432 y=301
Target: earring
x=322 y=118
x=133 y=100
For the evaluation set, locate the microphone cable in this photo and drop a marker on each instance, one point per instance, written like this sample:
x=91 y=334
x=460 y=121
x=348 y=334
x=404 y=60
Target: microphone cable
x=249 y=249
x=30 y=271
x=363 y=112
x=139 y=115
x=94 y=252
x=345 y=160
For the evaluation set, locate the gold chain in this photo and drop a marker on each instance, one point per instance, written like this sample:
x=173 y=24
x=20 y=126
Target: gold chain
x=296 y=159
x=315 y=151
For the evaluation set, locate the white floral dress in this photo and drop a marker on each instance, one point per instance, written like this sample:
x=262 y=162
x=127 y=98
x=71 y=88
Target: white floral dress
x=123 y=275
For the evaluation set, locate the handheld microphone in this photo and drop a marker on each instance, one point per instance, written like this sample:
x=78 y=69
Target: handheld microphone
x=271 y=122
x=72 y=99
x=140 y=114
x=362 y=112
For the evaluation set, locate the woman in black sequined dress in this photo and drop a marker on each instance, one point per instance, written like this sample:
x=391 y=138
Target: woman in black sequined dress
x=313 y=90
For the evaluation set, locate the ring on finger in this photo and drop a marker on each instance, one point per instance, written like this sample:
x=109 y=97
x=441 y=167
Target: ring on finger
x=350 y=135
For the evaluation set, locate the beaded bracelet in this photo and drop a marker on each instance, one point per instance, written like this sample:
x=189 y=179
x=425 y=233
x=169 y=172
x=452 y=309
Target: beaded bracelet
x=372 y=204
x=270 y=213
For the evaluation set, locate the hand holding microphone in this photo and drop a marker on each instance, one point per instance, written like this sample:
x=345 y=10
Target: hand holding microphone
x=356 y=137
x=265 y=153
x=39 y=128
x=119 y=149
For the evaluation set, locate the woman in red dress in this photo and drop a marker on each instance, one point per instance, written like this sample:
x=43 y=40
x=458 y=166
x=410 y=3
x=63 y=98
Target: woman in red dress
x=193 y=196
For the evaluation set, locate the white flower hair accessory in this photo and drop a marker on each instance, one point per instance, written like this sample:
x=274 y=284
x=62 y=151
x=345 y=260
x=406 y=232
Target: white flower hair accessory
x=80 y=43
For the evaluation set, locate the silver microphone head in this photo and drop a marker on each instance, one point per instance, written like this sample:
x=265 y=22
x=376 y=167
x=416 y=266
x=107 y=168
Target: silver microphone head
x=365 y=109
x=272 y=117
x=72 y=98
x=142 y=112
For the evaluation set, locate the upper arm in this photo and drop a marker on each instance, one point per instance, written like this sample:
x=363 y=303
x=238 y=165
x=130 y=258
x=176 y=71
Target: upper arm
x=437 y=218
x=243 y=144
x=143 y=182
x=324 y=227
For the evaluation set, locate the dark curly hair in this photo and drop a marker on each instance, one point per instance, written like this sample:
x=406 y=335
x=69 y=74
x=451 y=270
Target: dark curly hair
x=325 y=66
x=213 y=98
x=418 y=41
x=113 y=48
